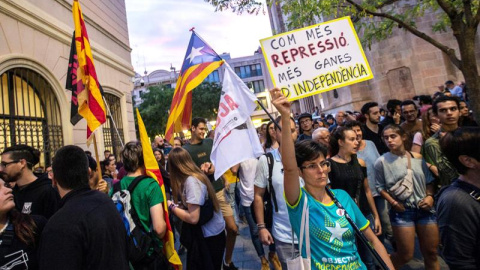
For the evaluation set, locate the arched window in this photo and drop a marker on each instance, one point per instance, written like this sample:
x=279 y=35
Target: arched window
x=29 y=113
x=114 y=119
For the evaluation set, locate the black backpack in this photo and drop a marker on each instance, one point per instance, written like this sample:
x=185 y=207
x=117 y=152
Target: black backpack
x=268 y=206
x=142 y=248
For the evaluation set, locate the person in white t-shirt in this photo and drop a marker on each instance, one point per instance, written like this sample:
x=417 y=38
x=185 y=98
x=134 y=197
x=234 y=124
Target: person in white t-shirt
x=194 y=188
x=281 y=231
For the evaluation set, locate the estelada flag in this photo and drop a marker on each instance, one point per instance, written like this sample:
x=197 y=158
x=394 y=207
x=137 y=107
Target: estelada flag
x=153 y=171
x=200 y=60
x=90 y=100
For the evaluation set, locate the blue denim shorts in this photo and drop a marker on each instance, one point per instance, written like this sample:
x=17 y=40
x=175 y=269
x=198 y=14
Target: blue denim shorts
x=411 y=217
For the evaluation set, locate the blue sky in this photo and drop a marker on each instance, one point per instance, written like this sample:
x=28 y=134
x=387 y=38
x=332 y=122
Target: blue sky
x=159 y=31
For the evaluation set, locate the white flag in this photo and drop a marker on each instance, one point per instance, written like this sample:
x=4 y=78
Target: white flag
x=236 y=139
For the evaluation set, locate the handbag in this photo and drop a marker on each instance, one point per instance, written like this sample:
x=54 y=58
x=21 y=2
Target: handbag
x=300 y=263
x=403 y=189
x=190 y=231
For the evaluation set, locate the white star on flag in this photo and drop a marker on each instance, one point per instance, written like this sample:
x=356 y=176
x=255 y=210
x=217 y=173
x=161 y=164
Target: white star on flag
x=337 y=232
x=194 y=53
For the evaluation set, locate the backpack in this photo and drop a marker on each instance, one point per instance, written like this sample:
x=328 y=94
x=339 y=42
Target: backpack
x=139 y=243
x=268 y=207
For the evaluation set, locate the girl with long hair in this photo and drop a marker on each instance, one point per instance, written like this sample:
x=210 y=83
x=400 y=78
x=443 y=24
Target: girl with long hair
x=19 y=233
x=333 y=238
x=430 y=125
x=194 y=188
x=348 y=172
x=271 y=142
x=413 y=215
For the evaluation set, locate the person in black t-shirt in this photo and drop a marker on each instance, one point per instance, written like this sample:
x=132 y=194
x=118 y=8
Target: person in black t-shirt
x=87 y=231
x=458 y=205
x=372 y=130
x=349 y=173
x=32 y=195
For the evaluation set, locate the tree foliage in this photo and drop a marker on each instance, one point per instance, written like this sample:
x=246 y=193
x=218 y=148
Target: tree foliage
x=157 y=101
x=375 y=20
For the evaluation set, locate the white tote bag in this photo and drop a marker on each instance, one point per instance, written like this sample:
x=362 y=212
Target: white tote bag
x=300 y=263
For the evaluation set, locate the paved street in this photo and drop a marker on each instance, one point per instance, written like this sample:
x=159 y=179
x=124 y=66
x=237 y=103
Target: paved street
x=245 y=257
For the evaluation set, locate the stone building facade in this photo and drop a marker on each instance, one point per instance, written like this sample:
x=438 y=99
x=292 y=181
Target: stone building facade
x=35 y=38
x=403 y=66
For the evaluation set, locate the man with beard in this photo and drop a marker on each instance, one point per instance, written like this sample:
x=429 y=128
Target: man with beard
x=32 y=195
x=412 y=124
x=372 y=130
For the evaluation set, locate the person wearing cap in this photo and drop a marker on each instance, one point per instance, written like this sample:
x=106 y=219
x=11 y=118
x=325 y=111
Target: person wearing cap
x=306 y=126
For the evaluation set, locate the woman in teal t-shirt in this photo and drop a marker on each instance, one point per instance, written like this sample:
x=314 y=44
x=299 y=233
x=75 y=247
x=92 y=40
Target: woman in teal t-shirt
x=332 y=239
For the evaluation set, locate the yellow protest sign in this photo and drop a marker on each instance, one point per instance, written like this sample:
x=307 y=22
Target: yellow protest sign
x=316 y=59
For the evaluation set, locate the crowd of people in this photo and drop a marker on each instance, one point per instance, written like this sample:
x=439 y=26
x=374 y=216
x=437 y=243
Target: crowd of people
x=410 y=171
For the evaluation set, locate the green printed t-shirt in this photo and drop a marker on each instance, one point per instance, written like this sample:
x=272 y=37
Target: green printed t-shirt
x=332 y=239
x=200 y=154
x=145 y=195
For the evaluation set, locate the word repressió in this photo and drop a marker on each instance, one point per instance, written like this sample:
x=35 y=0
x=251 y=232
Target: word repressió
x=323 y=81
x=312 y=49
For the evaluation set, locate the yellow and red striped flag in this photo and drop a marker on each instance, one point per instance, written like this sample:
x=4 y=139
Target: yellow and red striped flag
x=153 y=171
x=200 y=60
x=90 y=100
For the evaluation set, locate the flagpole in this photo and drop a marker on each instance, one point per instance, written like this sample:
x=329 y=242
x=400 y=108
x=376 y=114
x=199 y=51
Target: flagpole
x=269 y=115
x=96 y=157
x=113 y=121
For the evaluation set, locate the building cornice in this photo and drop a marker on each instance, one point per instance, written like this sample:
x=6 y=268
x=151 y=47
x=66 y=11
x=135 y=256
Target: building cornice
x=95 y=25
x=36 y=18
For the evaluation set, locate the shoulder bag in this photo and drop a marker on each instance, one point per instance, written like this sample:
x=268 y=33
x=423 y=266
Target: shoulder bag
x=403 y=189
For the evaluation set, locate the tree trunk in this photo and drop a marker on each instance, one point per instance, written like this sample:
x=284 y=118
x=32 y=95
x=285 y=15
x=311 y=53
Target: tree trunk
x=468 y=66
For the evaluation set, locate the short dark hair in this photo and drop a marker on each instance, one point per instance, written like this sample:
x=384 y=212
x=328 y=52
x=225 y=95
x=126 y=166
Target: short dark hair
x=132 y=156
x=22 y=151
x=106 y=151
x=308 y=150
x=449 y=82
x=366 y=107
x=408 y=102
x=70 y=167
x=425 y=99
x=353 y=123
x=444 y=99
x=392 y=104
x=463 y=141
x=198 y=120
x=92 y=164
x=88 y=153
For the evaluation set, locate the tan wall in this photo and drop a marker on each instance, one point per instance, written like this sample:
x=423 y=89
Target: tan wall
x=403 y=66
x=37 y=35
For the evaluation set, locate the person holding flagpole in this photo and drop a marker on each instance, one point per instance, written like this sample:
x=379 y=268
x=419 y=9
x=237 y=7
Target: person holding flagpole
x=332 y=238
